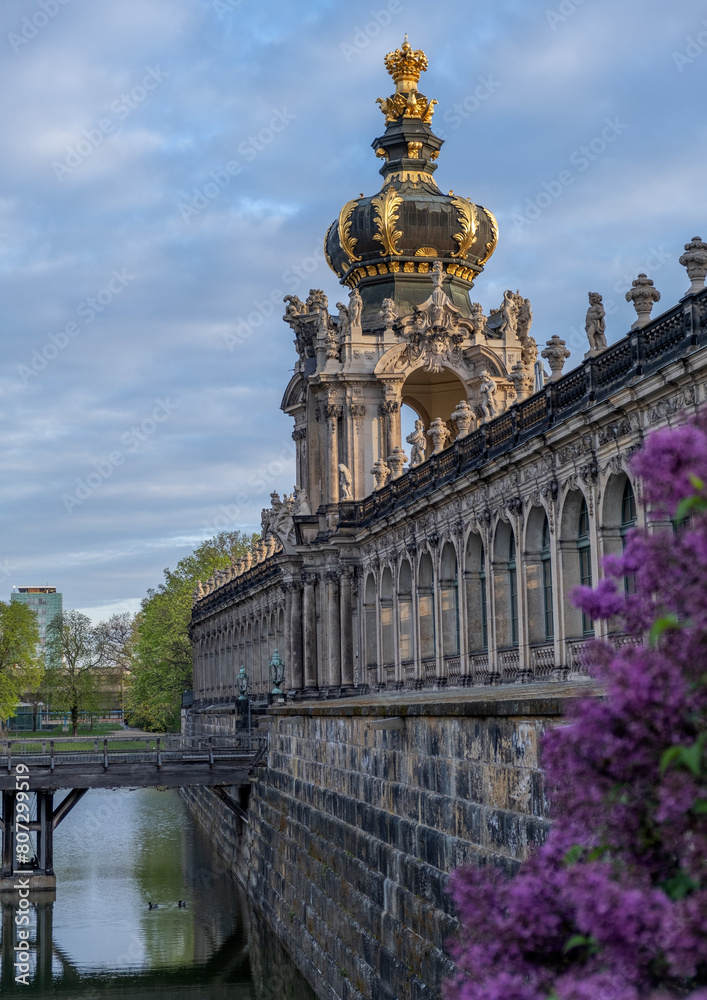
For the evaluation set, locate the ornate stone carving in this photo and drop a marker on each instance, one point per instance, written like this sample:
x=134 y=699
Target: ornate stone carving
x=344 y=483
x=643 y=295
x=618 y=429
x=418 y=441
x=439 y=432
x=380 y=472
x=478 y=319
x=357 y=410
x=299 y=434
x=435 y=330
x=522 y=381
x=668 y=407
x=572 y=451
x=556 y=354
x=388 y=313
x=489 y=405
x=396 y=460
x=515 y=505
x=595 y=324
x=695 y=260
x=310 y=321
x=301 y=502
x=463 y=416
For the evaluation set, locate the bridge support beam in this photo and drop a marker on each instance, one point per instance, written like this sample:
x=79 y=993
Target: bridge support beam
x=42 y=872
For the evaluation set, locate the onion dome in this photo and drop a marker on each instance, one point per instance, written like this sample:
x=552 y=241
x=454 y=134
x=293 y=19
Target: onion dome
x=385 y=243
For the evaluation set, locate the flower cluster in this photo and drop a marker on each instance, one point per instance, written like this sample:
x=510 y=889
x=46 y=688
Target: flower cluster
x=614 y=905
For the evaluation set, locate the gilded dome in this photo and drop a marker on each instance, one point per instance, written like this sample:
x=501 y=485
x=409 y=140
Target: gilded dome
x=409 y=224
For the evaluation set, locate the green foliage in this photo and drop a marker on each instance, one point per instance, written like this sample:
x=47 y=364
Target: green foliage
x=163 y=659
x=74 y=654
x=20 y=668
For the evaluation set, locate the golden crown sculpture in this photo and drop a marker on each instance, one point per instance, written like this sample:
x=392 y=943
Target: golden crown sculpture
x=405 y=66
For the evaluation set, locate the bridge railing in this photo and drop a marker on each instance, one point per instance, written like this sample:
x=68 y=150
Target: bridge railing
x=127 y=749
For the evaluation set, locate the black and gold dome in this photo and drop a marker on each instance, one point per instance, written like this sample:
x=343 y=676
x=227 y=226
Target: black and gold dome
x=383 y=244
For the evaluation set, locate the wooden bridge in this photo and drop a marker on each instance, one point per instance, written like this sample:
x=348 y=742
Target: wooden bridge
x=82 y=763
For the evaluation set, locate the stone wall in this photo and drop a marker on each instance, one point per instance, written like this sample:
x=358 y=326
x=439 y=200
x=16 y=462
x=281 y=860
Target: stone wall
x=353 y=829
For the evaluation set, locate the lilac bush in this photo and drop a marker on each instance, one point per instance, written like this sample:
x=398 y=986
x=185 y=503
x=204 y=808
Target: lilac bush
x=614 y=905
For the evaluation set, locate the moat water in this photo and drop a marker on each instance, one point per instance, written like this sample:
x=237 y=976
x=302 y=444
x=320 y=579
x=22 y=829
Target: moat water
x=114 y=854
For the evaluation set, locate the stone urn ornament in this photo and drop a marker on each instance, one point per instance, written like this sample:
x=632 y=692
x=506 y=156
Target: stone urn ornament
x=380 y=472
x=396 y=460
x=695 y=261
x=643 y=295
x=555 y=354
x=439 y=432
x=463 y=417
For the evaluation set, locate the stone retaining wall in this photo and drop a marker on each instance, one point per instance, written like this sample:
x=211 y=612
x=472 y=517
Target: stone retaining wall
x=353 y=829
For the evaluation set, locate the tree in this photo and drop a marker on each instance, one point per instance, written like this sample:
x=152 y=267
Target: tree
x=117 y=638
x=163 y=665
x=74 y=656
x=614 y=904
x=20 y=667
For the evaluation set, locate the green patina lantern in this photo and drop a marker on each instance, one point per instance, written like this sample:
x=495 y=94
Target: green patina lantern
x=277 y=672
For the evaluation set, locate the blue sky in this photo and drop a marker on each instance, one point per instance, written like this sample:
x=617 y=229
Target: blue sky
x=169 y=169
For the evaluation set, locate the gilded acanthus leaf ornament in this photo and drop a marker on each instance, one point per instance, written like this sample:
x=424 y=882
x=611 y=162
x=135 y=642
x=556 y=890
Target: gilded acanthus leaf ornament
x=386 y=206
x=491 y=245
x=468 y=221
x=347 y=242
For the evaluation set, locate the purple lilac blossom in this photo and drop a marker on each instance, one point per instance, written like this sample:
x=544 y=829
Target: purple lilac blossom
x=614 y=905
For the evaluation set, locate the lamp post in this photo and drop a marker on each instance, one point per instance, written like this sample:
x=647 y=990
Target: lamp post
x=277 y=673
x=244 y=687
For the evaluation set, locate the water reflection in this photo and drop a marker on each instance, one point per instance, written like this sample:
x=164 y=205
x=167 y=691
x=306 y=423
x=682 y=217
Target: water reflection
x=114 y=854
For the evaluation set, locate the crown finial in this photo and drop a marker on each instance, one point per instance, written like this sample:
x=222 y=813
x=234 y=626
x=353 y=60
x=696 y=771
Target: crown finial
x=406 y=66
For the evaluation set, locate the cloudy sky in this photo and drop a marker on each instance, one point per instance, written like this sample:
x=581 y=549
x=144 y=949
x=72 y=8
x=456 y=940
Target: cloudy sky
x=169 y=169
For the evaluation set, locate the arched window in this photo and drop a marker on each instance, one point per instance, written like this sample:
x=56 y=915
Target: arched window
x=449 y=601
x=369 y=619
x=585 y=560
x=426 y=606
x=513 y=588
x=484 y=612
x=628 y=521
x=547 y=581
x=405 y=612
x=386 y=611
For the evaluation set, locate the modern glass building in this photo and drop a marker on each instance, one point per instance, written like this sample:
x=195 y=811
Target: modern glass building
x=44 y=601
